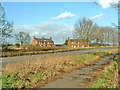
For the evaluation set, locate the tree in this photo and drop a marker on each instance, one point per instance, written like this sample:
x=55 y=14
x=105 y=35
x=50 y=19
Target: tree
x=117 y=7
x=107 y=34
x=23 y=38
x=102 y=34
x=84 y=29
x=114 y=36
x=66 y=42
x=96 y=33
x=6 y=27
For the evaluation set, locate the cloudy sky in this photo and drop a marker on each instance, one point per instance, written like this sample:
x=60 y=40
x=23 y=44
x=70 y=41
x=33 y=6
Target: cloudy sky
x=57 y=19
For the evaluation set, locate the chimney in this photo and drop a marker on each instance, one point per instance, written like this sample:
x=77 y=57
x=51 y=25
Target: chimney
x=34 y=37
x=68 y=38
x=42 y=37
x=51 y=38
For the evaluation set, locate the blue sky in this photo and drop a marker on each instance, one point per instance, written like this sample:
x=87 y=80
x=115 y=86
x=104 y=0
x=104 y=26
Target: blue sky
x=55 y=19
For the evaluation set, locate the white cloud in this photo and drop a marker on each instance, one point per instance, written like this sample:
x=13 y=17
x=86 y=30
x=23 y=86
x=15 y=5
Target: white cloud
x=43 y=34
x=59 y=31
x=64 y=15
x=96 y=17
x=107 y=3
x=36 y=33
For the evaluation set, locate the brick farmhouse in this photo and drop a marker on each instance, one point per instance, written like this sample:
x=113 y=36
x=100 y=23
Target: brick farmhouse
x=74 y=43
x=42 y=41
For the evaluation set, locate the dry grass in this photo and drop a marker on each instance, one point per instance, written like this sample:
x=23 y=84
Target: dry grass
x=50 y=68
x=47 y=68
x=110 y=51
x=42 y=61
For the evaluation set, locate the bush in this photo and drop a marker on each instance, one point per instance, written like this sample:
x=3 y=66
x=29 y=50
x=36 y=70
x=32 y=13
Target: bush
x=17 y=45
x=95 y=44
x=66 y=43
x=4 y=48
x=9 y=45
x=39 y=48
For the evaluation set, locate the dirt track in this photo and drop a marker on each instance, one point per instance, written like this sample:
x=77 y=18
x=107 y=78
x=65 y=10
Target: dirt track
x=82 y=77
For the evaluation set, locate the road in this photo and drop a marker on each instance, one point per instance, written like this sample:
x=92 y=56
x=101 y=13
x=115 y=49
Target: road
x=21 y=59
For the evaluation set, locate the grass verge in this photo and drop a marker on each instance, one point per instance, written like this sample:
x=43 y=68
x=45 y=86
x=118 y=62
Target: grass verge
x=109 y=78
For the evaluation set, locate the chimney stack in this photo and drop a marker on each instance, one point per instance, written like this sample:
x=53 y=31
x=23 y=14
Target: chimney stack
x=68 y=38
x=34 y=37
x=51 y=38
x=42 y=37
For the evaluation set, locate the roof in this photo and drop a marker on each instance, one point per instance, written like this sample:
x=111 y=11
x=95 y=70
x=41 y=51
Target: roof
x=77 y=40
x=43 y=40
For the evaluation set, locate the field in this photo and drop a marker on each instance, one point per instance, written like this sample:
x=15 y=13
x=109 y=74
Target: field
x=37 y=73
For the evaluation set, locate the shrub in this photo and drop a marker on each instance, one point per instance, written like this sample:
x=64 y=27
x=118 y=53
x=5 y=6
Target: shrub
x=39 y=48
x=4 y=48
x=17 y=45
x=95 y=44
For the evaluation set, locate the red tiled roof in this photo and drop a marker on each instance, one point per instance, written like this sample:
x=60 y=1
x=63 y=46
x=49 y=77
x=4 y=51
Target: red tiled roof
x=43 y=40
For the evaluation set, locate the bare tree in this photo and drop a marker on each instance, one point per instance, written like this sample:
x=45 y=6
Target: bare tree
x=114 y=36
x=102 y=35
x=6 y=27
x=107 y=31
x=83 y=29
x=107 y=35
x=96 y=33
x=23 y=38
x=116 y=6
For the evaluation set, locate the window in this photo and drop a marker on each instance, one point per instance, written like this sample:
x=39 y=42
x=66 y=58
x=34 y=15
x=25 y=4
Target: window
x=77 y=45
x=72 y=42
x=72 y=45
x=78 y=42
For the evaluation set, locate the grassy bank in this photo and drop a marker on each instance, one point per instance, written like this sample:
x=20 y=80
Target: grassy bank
x=44 y=50
x=109 y=78
x=37 y=73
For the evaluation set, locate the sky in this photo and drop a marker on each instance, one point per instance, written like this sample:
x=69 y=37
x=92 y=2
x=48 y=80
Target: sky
x=56 y=19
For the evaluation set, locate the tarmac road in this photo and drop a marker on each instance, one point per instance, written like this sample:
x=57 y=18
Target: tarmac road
x=21 y=59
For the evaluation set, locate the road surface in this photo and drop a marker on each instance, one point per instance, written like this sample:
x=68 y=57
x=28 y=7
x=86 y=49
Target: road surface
x=21 y=59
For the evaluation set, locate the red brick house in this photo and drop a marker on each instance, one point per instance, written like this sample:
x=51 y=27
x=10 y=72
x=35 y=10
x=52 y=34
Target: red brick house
x=42 y=42
x=74 y=43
